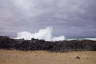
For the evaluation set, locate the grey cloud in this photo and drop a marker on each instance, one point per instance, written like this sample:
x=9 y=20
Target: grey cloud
x=72 y=18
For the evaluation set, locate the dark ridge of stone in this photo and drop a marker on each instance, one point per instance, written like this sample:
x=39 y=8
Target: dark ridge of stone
x=53 y=46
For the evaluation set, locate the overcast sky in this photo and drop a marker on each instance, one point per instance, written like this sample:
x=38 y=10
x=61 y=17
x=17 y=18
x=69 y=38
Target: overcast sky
x=71 y=18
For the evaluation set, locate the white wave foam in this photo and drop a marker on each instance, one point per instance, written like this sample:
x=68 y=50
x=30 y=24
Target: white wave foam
x=45 y=34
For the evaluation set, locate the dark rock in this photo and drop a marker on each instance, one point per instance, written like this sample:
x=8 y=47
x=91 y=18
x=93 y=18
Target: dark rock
x=77 y=57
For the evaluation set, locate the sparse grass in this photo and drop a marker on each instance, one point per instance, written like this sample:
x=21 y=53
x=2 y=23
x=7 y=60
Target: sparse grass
x=44 y=57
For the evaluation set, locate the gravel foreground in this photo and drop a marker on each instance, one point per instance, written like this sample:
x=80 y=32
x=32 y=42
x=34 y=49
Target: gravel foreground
x=44 y=57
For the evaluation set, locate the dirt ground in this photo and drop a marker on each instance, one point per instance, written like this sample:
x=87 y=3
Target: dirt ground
x=44 y=57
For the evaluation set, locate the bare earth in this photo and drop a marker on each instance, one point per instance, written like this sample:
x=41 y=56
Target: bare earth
x=44 y=57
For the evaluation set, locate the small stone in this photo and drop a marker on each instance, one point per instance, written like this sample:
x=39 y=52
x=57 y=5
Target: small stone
x=77 y=57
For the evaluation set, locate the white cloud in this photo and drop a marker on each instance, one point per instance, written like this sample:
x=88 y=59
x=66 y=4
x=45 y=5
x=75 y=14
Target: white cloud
x=26 y=4
x=26 y=7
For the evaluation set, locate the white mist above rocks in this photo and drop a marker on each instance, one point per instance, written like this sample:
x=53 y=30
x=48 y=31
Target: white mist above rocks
x=44 y=34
